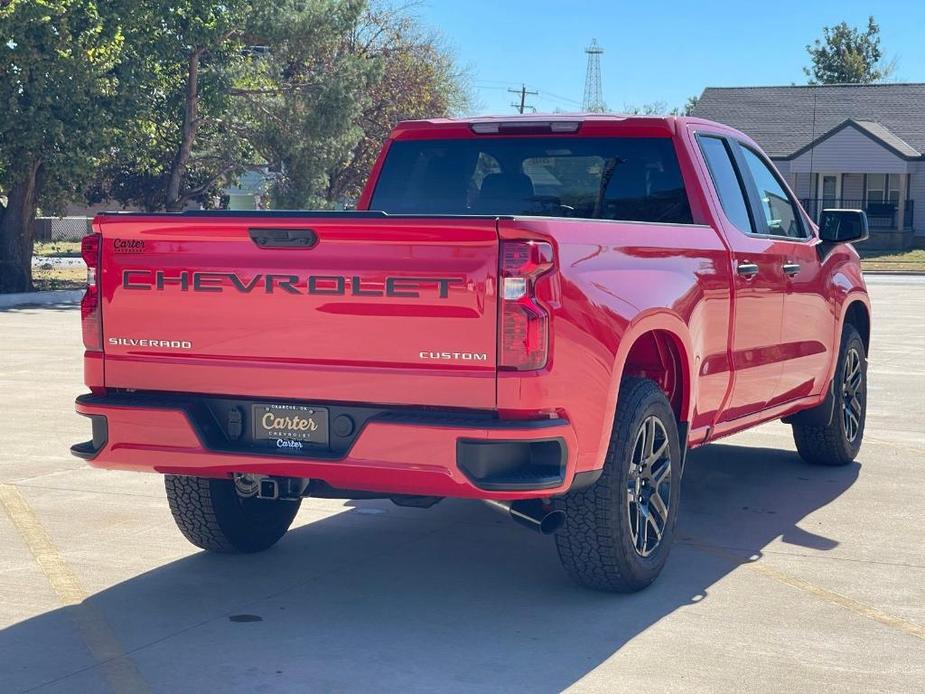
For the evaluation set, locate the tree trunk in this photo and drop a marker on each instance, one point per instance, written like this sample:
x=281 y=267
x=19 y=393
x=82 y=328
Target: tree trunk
x=16 y=230
x=175 y=198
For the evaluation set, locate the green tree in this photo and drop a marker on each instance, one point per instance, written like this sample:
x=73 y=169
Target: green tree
x=655 y=108
x=58 y=96
x=304 y=103
x=417 y=78
x=848 y=55
x=232 y=84
x=660 y=108
x=185 y=136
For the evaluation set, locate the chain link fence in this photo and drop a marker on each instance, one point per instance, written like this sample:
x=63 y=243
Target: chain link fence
x=62 y=228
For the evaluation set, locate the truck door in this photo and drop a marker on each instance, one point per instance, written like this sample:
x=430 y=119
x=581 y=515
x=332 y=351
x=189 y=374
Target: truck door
x=758 y=281
x=807 y=332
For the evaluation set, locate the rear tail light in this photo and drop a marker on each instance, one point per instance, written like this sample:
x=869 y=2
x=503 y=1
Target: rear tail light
x=90 y=313
x=524 y=322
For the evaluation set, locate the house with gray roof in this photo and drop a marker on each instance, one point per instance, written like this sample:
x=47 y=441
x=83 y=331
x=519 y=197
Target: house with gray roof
x=846 y=145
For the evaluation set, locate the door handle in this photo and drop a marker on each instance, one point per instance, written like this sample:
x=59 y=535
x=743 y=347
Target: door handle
x=747 y=270
x=790 y=269
x=284 y=238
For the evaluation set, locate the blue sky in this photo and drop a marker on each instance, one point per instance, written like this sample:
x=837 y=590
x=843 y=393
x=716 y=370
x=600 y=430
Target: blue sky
x=655 y=51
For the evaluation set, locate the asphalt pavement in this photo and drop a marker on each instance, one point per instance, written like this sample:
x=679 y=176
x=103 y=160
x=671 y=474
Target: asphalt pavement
x=786 y=577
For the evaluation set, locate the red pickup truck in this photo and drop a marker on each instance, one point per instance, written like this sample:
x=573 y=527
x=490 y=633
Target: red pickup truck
x=543 y=313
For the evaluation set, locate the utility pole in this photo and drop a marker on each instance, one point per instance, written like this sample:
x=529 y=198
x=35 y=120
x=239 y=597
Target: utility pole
x=523 y=97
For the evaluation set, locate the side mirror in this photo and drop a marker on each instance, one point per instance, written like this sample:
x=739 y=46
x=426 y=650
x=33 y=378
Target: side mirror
x=843 y=226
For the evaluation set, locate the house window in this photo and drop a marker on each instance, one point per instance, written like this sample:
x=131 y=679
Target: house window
x=892 y=187
x=883 y=187
x=876 y=185
x=828 y=188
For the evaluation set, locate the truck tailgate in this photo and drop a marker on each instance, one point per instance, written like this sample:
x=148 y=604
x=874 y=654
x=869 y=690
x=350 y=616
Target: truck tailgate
x=333 y=307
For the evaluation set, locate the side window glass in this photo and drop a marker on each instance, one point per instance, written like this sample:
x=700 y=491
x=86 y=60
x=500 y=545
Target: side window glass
x=781 y=214
x=726 y=180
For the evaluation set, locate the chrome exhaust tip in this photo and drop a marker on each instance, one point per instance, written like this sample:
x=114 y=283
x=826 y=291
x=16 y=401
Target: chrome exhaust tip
x=532 y=514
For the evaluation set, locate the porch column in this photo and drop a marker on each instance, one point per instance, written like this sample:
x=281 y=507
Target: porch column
x=901 y=203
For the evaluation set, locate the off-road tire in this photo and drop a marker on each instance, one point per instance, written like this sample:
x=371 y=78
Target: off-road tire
x=211 y=515
x=831 y=444
x=596 y=544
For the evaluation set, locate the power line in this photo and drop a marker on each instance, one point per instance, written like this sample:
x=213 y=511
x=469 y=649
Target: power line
x=558 y=97
x=543 y=92
x=523 y=98
x=543 y=95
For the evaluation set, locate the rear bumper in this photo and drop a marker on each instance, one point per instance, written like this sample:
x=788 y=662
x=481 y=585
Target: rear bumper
x=427 y=453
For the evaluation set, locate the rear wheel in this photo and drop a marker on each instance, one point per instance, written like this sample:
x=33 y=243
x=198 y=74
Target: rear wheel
x=839 y=441
x=212 y=515
x=618 y=532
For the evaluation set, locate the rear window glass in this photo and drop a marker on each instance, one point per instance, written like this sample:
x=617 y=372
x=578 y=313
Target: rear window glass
x=635 y=179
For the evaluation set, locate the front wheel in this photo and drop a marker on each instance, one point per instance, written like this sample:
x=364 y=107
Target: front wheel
x=618 y=532
x=212 y=515
x=839 y=441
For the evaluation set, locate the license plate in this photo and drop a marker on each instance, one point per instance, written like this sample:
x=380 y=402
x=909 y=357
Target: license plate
x=290 y=426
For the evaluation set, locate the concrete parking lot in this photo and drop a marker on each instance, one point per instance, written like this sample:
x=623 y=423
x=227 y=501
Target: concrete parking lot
x=786 y=577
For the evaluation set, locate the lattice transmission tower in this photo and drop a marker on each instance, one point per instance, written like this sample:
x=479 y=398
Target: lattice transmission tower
x=594 y=94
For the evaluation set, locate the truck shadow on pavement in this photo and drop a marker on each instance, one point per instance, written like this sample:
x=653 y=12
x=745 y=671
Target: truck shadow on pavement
x=384 y=598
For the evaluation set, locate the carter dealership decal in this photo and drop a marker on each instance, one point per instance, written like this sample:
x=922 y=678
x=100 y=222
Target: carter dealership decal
x=128 y=246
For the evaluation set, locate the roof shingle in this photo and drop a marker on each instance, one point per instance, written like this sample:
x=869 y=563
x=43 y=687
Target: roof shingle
x=781 y=120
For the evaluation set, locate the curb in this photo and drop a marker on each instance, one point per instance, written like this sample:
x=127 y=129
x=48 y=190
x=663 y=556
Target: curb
x=60 y=261
x=895 y=273
x=58 y=296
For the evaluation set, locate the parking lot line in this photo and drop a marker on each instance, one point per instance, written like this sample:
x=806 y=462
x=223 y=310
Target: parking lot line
x=119 y=670
x=856 y=606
